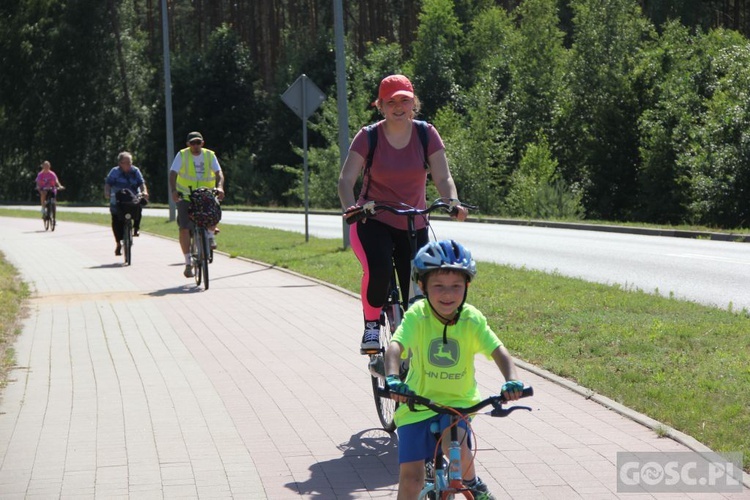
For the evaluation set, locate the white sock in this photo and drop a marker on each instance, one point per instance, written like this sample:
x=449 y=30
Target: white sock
x=188 y=259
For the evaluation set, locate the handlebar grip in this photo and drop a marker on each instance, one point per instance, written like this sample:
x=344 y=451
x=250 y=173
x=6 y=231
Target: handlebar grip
x=528 y=391
x=357 y=215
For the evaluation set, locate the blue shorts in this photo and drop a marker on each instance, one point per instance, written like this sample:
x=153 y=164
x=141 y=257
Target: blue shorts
x=417 y=442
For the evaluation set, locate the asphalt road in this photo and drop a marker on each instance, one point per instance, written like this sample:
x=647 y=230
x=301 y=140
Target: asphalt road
x=710 y=272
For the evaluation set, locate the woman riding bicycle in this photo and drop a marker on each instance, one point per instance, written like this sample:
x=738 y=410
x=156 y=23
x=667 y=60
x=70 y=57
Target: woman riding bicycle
x=442 y=334
x=47 y=183
x=398 y=173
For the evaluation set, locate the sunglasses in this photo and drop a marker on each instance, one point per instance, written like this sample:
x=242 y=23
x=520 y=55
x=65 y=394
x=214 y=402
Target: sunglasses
x=196 y=142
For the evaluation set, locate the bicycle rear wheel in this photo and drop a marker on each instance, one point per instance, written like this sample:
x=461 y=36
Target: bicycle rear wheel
x=205 y=249
x=52 y=216
x=386 y=407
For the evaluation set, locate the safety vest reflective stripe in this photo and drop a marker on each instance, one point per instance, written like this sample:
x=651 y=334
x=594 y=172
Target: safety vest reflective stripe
x=188 y=177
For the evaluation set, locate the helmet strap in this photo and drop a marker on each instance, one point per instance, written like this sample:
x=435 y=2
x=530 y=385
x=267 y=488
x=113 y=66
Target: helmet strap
x=445 y=321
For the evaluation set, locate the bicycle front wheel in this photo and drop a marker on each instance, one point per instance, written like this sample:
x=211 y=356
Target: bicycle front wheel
x=205 y=249
x=45 y=218
x=52 y=216
x=386 y=407
x=127 y=240
x=196 y=256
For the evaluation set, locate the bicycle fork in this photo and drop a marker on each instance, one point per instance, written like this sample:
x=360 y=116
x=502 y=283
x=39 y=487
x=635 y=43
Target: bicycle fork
x=451 y=479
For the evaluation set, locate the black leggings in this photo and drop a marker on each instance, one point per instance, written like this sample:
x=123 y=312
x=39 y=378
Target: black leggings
x=377 y=247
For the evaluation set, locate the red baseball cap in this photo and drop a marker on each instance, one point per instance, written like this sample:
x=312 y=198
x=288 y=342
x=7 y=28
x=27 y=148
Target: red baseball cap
x=395 y=85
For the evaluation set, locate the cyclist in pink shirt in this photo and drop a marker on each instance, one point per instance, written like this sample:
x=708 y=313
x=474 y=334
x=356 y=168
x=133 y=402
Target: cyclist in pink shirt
x=398 y=174
x=47 y=182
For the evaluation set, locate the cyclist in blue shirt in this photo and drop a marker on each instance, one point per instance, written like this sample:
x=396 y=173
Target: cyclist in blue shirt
x=124 y=176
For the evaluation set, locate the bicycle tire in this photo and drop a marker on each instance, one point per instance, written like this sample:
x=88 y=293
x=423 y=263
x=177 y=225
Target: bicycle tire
x=196 y=257
x=205 y=249
x=45 y=217
x=386 y=407
x=127 y=241
x=52 y=216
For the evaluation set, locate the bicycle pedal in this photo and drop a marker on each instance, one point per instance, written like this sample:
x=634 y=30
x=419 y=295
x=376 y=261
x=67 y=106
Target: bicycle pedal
x=376 y=366
x=369 y=351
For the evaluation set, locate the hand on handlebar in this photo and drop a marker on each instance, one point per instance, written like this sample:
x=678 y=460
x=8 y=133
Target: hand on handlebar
x=399 y=390
x=460 y=214
x=512 y=390
x=356 y=213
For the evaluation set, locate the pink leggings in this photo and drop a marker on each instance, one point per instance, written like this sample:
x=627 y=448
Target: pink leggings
x=378 y=246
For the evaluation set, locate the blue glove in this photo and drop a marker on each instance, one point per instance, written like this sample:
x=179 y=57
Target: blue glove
x=512 y=386
x=397 y=386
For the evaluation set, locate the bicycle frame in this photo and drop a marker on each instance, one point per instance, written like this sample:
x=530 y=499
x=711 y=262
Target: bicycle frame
x=452 y=481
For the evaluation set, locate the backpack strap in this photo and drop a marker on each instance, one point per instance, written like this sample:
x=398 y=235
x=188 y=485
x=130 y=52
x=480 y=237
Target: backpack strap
x=424 y=139
x=372 y=141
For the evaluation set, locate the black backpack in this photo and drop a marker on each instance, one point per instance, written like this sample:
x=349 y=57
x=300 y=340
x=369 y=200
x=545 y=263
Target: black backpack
x=372 y=141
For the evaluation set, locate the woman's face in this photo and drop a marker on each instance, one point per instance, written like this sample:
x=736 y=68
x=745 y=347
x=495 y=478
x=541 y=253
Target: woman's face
x=398 y=108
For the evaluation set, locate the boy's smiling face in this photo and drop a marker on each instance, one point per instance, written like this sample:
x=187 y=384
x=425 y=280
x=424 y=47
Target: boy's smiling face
x=445 y=290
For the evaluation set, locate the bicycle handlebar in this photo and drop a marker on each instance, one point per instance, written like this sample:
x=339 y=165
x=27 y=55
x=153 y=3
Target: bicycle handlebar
x=213 y=190
x=496 y=402
x=372 y=207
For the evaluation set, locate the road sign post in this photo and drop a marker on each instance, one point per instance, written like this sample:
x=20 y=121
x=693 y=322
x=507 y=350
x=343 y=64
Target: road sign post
x=304 y=97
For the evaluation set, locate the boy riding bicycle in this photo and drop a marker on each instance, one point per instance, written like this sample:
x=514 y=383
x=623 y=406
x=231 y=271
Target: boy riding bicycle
x=441 y=334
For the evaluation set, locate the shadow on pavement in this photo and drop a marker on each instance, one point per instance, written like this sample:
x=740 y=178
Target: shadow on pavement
x=108 y=266
x=191 y=288
x=371 y=454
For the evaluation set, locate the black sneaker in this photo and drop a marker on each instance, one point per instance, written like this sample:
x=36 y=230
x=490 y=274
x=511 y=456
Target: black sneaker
x=371 y=337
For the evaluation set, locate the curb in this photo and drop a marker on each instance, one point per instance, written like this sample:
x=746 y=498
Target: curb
x=675 y=233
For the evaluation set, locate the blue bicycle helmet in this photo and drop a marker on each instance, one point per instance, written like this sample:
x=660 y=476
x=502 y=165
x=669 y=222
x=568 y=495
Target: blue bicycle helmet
x=445 y=254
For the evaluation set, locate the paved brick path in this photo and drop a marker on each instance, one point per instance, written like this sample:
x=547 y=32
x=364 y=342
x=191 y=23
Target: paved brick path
x=131 y=382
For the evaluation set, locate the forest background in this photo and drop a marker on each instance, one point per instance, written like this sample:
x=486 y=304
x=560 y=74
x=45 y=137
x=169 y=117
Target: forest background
x=618 y=110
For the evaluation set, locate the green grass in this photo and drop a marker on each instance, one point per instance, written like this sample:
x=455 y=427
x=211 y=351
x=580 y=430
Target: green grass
x=12 y=293
x=681 y=363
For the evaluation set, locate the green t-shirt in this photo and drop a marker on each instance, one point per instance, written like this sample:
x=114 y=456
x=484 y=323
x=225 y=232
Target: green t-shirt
x=441 y=372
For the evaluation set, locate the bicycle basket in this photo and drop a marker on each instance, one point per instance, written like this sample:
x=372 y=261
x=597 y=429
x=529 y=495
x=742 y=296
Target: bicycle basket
x=127 y=201
x=204 y=209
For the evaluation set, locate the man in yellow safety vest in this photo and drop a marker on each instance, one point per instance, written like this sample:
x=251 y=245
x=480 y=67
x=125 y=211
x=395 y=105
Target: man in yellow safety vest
x=193 y=167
